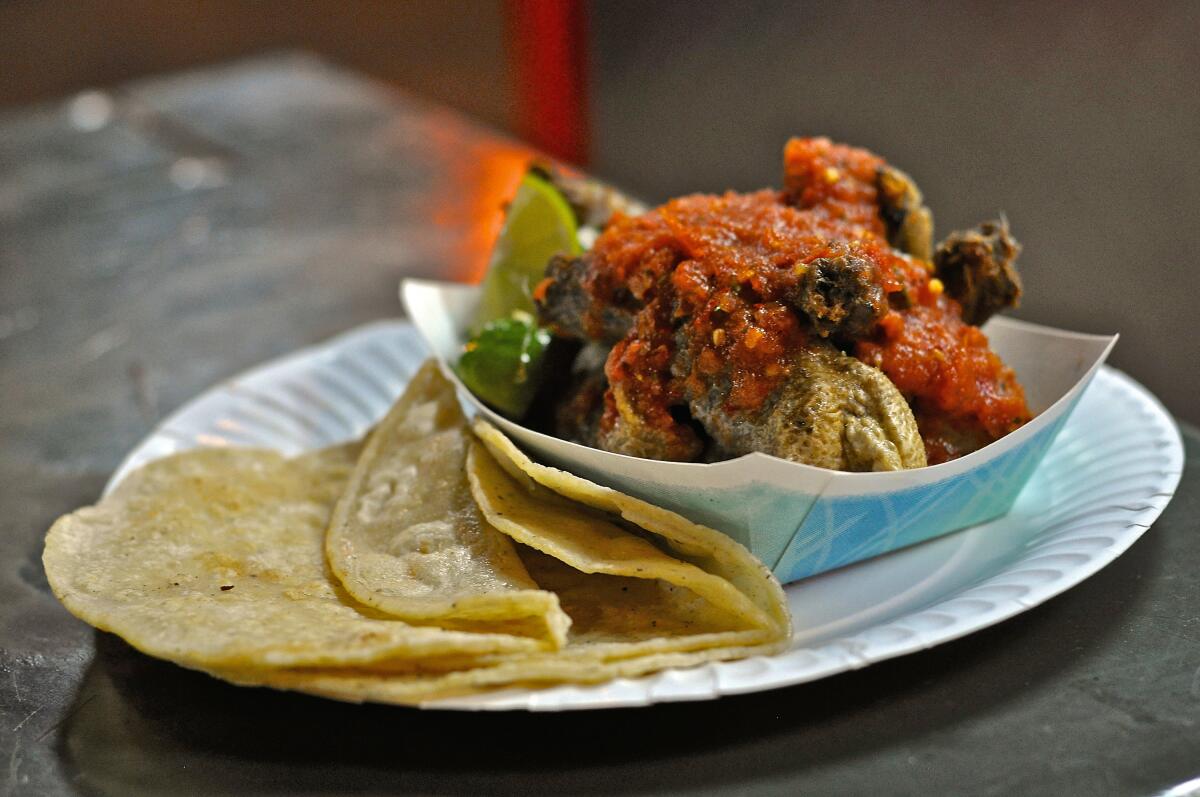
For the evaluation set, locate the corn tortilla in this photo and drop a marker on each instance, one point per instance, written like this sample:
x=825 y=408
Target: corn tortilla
x=708 y=549
x=480 y=569
x=407 y=538
x=635 y=607
x=214 y=558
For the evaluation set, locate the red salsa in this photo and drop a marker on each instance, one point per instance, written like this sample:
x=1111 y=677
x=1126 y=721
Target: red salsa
x=714 y=272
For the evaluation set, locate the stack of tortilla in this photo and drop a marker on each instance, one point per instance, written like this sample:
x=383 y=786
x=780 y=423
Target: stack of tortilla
x=427 y=563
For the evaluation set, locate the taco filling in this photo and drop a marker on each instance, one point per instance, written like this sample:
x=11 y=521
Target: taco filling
x=818 y=323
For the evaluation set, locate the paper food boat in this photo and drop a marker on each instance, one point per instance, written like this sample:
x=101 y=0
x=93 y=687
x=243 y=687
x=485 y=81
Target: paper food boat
x=799 y=519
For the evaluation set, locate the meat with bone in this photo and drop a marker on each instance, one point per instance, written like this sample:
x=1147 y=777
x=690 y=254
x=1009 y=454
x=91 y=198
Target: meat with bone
x=978 y=268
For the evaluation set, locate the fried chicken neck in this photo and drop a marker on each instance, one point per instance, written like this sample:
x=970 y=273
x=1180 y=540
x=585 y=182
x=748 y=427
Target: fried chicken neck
x=729 y=313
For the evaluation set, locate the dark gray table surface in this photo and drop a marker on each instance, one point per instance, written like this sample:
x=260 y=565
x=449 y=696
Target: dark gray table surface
x=156 y=239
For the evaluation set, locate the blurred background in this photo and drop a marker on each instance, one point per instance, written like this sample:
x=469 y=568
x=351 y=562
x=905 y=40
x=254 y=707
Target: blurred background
x=1079 y=122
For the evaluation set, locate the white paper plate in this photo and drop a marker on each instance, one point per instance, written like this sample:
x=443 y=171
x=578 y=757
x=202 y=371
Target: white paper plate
x=1110 y=473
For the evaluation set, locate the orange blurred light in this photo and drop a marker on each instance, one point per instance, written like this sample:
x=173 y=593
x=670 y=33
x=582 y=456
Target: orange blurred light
x=477 y=176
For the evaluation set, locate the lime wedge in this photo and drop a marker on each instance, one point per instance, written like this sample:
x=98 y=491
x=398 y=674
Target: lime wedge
x=539 y=225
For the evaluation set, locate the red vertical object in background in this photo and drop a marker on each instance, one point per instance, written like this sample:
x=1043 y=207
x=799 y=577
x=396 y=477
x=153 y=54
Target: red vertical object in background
x=548 y=41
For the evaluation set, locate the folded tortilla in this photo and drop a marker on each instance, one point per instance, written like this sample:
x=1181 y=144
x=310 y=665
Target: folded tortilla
x=749 y=584
x=453 y=566
x=215 y=558
x=659 y=593
x=407 y=538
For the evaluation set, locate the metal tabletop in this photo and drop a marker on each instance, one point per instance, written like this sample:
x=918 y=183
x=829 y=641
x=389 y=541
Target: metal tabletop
x=158 y=238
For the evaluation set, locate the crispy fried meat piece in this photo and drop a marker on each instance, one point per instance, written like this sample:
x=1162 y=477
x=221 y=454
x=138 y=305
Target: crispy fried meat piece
x=909 y=223
x=832 y=411
x=633 y=433
x=577 y=414
x=645 y=414
x=727 y=317
x=859 y=189
x=842 y=296
x=593 y=202
x=948 y=437
x=568 y=308
x=978 y=268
